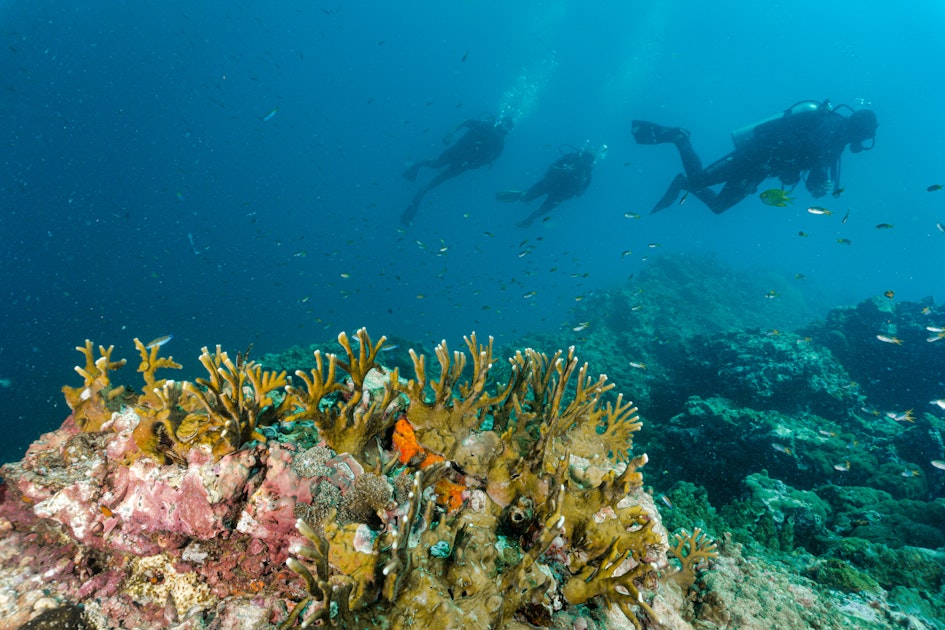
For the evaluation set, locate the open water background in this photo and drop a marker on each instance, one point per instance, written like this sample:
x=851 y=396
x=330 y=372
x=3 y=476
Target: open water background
x=143 y=192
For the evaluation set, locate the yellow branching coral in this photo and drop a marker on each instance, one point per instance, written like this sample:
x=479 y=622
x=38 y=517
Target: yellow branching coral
x=604 y=580
x=150 y=362
x=351 y=424
x=444 y=420
x=235 y=397
x=93 y=403
x=693 y=551
x=540 y=456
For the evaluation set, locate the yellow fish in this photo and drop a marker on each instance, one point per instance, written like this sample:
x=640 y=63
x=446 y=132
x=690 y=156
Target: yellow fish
x=775 y=197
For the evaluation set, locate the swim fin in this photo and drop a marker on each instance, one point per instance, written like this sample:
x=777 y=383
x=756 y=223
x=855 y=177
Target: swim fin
x=509 y=195
x=650 y=133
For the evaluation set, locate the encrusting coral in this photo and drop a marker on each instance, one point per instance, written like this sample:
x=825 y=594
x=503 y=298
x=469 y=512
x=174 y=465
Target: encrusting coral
x=462 y=501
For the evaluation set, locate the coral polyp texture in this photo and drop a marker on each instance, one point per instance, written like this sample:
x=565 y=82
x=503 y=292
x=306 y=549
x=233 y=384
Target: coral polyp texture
x=348 y=498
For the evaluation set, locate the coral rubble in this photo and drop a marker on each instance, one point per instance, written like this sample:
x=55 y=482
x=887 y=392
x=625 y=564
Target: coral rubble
x=356 y=498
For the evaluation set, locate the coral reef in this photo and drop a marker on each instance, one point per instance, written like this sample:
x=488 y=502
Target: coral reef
x=354 y=498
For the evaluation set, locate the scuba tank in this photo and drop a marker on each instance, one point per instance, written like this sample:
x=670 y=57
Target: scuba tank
x=743 y=135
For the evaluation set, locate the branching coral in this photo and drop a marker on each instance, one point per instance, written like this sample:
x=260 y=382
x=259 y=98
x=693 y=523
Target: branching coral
x=478 y=500
x=539 y=456
x=604 y=580
x=236 y=399
x=440 y=420
x=93 y=403
x=350 y=426
x=693 y=551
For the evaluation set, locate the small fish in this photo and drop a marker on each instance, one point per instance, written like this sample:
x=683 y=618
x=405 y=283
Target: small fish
x=844 y=467
x=683 y=200
x=935 y=187
x=631 y=215
x=889 y=294
x=578 y=298
x=666 y=501
x=160 y=341
x=819 y=210
x=884 y=226
x=800 y=276
x=926 y=310
x=269 y=116
x=774 y=332
x=625 y=253
x=346 y=275
x=844 y=241
x=846 y=216
x=941 y=227
x=781 y=448
x=938 y=402
x=905 y=416
x=465 y=57
x=915 y=472
x=838 y=192
x=776 y=197
x=886 y=339
x=637 y=365
x=420 y=296
x=581 y=326
x=530 y=294
x=937 y=463
x=771 y=294
x=106 y=512
x=654 y=245
x=803 y=234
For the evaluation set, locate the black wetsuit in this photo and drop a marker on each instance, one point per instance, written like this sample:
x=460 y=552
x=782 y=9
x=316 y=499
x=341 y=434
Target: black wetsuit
x=787 y=147
x=482 y=144
x=568 y=177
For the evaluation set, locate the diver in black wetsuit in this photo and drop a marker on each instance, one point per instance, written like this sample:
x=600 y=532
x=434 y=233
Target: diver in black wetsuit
x=482 y=144
x=568 y=177
x=809 y=137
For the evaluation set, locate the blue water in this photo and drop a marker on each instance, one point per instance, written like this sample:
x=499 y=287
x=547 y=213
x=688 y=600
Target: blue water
x=145 y=188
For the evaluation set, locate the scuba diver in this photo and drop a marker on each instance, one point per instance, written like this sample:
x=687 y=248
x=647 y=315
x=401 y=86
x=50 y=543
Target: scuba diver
x=482 y=144
x=808 y=137
x=568 y=177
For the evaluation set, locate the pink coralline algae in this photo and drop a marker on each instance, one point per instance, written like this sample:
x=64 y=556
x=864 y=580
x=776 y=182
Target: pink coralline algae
x=81 y=510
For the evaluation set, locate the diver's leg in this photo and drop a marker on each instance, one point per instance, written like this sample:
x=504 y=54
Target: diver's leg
x=537 y=190
x=731 y=193
x=411 y=211
x=441 y=177
x=407 y=217
x=678 y=184
x=414 y=170
x=690 y=161
x=549 y=205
